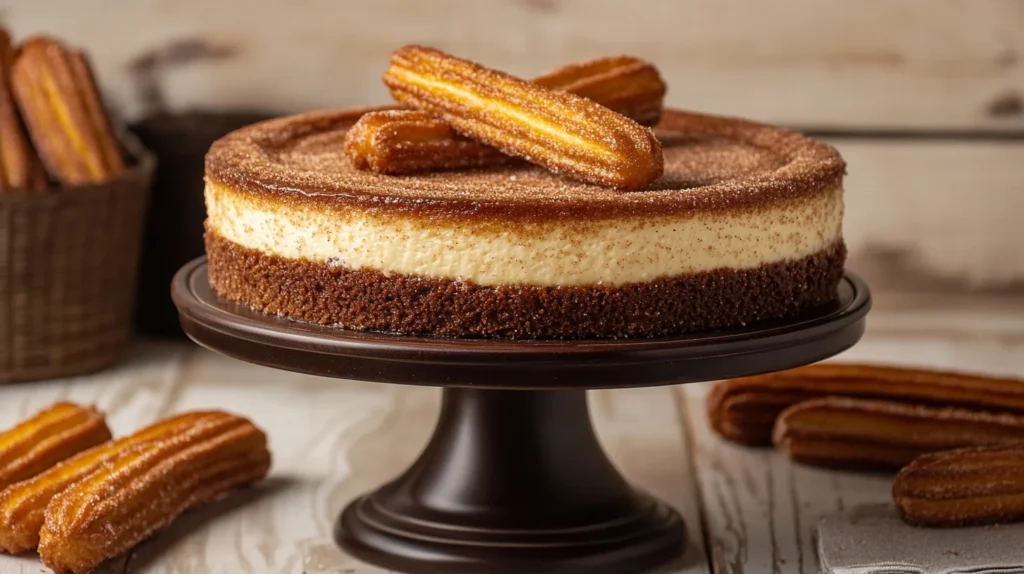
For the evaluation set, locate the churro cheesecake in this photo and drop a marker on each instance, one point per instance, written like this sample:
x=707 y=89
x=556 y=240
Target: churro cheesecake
x=514 y=213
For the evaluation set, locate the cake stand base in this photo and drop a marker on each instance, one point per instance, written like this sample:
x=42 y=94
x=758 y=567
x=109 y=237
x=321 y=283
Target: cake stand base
x=512 y=482
x=514 y=479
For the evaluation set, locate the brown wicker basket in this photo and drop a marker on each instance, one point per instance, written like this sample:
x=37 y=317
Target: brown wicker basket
x=68 y=262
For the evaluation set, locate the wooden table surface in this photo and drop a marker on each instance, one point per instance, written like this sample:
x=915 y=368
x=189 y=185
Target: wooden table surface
x=747 y=510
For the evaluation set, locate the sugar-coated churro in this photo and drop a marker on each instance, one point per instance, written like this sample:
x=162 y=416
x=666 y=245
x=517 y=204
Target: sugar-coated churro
x=963 y=487
x=58 y=98
x=744 y=409
x=22 y=505
x=50 y=436
x=863 y=434
x=19 y=165
x=560 y=131
x=131 y=497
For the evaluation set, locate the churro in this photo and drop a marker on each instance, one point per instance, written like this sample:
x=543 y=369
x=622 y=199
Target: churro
x=863 y=434
x=22 y=505
x=50 y=436
x=19 y=165
x=628 y=85
x=744 y=409
x=131 y=497
x=963 y=487
x=562 y=132
x=407 y=141
x=58 y=98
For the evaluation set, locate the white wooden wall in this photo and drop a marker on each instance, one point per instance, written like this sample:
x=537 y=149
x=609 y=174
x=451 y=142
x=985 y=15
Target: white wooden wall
x=925 y=209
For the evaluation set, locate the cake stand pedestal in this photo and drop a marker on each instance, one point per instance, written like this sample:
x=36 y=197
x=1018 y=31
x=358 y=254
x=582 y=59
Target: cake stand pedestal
x=513 y=480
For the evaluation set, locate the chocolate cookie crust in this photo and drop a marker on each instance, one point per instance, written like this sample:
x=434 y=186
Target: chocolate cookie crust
x=371 y=300
x=711 y=163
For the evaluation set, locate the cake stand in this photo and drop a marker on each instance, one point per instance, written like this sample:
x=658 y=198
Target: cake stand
x=513 y=480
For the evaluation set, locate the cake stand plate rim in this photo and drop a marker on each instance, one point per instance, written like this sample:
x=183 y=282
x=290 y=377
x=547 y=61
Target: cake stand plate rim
x=235 y=330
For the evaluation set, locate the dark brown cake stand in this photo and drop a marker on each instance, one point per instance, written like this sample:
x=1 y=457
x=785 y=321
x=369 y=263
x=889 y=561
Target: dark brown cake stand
x=514 y=479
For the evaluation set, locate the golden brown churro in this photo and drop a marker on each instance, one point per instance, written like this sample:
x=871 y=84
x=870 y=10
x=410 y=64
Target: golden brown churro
x=57 y=95
x=560 y=131
x=860 y=434
x=22 y=505
x=970 y=486
x=407 y=141
x=19 y=165
x=50 y=436
x=744 y=410
x=143 y=490
x=625 y=84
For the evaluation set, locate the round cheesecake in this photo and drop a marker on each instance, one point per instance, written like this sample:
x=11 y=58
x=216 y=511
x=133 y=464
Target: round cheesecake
x=745 y=225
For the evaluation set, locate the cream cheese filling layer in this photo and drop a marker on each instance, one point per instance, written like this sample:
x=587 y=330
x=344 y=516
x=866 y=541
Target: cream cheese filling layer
x=610 y=252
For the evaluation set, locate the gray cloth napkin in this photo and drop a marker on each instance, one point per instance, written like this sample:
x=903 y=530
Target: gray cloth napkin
x=873 y=540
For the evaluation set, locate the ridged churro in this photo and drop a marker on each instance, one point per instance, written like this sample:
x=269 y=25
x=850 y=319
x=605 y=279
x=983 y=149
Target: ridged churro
x=862 y=434
x=50 y=436
x=58 y=98
x=744 y=409
x=131 y=497
x=626 y=84
x=407 y=141
x=562 y=132
x=22 y=505
x=19 y=165
x=963 y=487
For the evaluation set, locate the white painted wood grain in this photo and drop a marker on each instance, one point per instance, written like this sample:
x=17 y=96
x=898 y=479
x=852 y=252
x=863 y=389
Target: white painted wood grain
x=973 y=320
x=643 y=434
x=761 y=510
x=138 y=388
x=940 y=209
x=904 y=63
x=333 y=440
x=937 y=211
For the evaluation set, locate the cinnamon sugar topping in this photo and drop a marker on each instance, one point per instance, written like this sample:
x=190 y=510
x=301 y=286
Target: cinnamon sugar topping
x=710 y=163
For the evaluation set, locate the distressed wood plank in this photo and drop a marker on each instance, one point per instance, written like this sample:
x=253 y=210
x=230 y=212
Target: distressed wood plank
x=639 y=429
x=921 y=213
x=935 y=215
x=133 y=394
x=955 y=64
x=978 y=319
x=334 y=440
x=761 y=510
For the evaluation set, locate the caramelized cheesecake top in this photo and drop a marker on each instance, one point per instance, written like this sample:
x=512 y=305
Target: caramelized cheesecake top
x=711 y=163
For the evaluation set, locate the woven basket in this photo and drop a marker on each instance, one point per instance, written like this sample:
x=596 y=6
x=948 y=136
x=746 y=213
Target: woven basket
x=68 y=263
